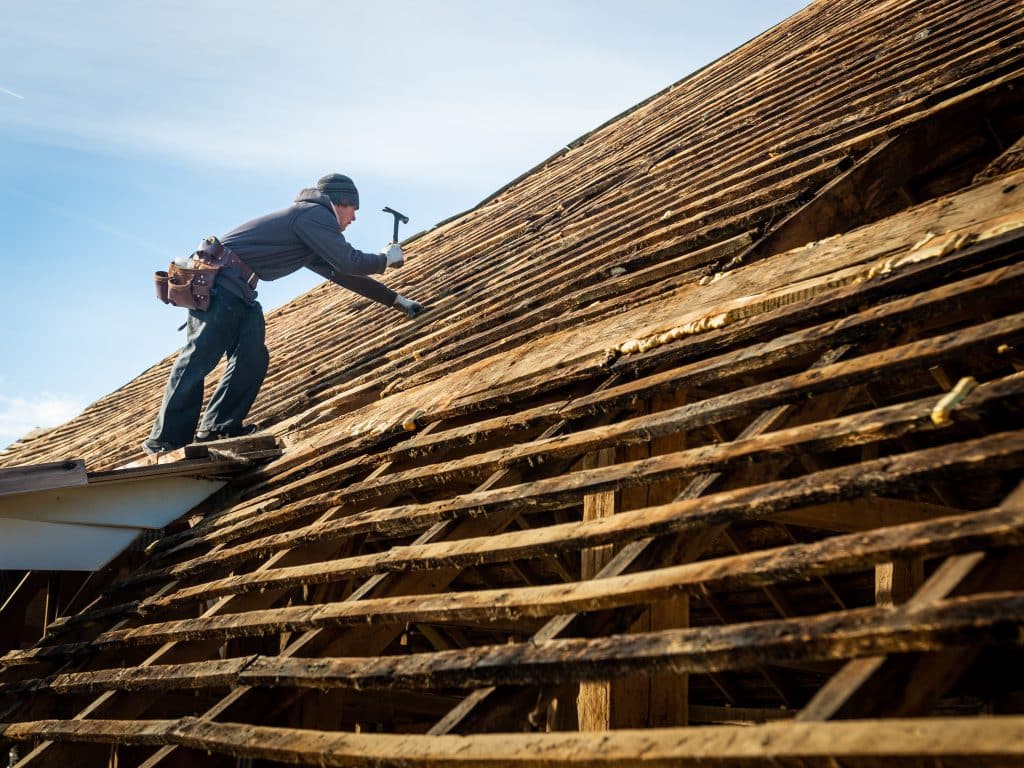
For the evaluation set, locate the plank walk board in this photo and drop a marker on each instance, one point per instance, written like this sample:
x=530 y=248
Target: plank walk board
x=41 y=477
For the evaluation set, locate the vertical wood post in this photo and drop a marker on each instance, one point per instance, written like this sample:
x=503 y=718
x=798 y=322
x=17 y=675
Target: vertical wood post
x=641 y=701
x=670 y=693
x=896 y=582
x=593 y=702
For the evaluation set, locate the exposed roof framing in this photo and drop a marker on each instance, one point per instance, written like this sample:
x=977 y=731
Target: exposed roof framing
x=727 y=466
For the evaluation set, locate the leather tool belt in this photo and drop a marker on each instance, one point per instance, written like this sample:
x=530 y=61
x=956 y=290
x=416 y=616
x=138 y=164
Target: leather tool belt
x=213 y=252
x=190 y=286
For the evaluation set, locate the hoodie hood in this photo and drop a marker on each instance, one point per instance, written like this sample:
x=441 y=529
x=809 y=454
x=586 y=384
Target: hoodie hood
x=314 y=195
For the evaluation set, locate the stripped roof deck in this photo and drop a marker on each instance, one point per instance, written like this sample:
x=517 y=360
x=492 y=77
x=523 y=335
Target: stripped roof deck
x=694 y=460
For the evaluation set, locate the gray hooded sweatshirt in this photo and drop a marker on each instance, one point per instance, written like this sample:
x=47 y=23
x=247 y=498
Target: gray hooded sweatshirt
x=303 y=235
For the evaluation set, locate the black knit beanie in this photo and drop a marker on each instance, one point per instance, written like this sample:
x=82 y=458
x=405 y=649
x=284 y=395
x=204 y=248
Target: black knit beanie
x=339 y=188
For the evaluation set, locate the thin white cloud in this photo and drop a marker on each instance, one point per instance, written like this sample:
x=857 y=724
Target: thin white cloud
x=431 y=101
x=20 y=415
x=12 y=93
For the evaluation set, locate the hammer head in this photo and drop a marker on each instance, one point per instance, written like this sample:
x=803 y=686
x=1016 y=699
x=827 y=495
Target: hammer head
x=398 y=218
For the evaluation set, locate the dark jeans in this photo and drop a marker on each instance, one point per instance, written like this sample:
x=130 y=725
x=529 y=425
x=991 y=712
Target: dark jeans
x=229 y=327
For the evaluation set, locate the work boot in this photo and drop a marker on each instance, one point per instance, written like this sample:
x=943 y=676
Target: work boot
x=207 y=436
x=153 y=447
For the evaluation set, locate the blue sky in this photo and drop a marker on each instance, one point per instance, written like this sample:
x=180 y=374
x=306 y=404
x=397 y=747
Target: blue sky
x=129 y=130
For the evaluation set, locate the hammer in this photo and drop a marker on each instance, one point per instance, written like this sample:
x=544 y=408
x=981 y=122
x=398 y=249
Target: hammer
x=398 y=218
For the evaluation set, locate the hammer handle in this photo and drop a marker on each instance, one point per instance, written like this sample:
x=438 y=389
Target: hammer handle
x=399 y=217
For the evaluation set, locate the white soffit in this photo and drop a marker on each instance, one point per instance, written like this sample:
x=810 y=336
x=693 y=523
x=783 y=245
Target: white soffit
x=81 y=527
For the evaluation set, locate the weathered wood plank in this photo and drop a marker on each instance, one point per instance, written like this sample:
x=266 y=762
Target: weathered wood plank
x=991 y=742
x=977 y=620
x=994 y=618
x=593 y=701
x=41 y=477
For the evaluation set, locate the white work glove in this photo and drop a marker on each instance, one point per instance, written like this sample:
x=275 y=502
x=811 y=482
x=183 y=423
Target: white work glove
x=410 y=307
x=393 y=253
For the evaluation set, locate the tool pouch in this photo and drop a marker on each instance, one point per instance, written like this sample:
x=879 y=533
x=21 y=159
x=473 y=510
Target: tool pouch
x=186 y=287
x=190 y=287
x=160 y=279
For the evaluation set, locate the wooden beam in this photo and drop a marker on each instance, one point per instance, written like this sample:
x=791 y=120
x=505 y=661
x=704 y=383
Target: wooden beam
x=897 y=581
x=990 y=742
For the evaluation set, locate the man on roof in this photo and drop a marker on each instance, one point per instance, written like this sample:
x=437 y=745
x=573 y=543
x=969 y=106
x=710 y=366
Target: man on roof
x=306 y=234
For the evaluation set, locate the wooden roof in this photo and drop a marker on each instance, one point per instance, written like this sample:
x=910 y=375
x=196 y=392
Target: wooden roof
x=711 y=437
